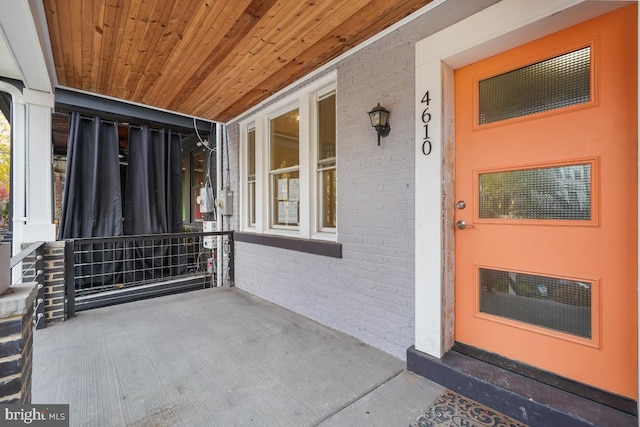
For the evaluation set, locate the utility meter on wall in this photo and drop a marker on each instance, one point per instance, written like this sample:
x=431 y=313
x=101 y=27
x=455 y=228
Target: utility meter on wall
x=205 y=199
x=224 y=202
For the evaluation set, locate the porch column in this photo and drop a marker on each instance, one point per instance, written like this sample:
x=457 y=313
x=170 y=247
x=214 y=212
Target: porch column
x=16 y=334
x=32 y=173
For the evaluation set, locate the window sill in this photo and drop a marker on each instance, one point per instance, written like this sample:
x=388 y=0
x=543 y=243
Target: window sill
x=316 y=247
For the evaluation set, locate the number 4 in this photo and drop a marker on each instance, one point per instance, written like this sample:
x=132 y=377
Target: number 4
x=426 y=98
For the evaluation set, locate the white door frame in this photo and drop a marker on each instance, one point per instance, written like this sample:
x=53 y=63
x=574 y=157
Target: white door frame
x=505 y=25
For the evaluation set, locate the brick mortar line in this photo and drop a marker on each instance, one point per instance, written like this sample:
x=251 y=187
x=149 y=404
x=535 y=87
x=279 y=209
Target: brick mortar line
x=17 y=376
x=10 y=338
x=11 y=358
x=11 y=397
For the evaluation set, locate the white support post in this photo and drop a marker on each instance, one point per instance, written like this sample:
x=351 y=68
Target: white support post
x=219 y=265
x=18 y=172
x=38 y=167
x=32 y=186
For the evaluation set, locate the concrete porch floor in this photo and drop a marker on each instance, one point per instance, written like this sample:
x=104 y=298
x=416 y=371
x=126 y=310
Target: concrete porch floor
x=219 y=357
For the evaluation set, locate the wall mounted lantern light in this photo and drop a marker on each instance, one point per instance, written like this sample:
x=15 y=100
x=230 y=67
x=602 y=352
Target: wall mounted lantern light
x=380 y=120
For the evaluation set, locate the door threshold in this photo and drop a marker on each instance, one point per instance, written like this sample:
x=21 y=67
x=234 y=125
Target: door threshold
x=522 y=398
x=597 y=395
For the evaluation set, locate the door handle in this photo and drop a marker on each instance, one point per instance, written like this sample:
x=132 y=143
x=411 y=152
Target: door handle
x=461 y=225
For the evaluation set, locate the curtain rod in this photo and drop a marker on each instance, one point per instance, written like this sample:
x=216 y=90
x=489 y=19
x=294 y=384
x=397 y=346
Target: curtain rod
x=113 y=122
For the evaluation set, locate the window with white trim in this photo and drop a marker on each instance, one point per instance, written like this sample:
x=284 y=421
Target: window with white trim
x=284 y=169
x=251 y=177
x=327 y=162
x=288 y=168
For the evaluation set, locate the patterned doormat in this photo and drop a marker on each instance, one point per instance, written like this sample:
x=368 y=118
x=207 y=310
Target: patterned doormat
x=454 y=410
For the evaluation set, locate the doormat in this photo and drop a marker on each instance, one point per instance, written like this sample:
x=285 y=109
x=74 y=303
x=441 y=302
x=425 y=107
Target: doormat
x=454 y=410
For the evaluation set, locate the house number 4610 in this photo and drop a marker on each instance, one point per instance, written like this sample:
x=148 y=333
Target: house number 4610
x=426 y=118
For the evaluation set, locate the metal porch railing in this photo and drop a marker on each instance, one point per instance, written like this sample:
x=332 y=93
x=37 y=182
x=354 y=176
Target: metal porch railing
x=111 y=270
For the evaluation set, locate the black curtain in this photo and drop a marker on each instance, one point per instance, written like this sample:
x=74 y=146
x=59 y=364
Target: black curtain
x=91 y=204
x=153 y=196
x=153 y=201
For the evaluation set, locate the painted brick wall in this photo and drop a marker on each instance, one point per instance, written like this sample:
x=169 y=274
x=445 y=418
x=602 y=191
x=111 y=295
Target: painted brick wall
x=369 y=293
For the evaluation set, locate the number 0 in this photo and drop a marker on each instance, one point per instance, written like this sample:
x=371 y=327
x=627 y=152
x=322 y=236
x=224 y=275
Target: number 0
x=426 y=147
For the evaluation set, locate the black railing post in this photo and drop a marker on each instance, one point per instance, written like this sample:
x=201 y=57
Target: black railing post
x=69 y=279
x=231 y=263
x=39 y=277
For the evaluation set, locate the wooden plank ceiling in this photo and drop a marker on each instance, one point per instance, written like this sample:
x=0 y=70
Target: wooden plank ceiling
x=207 y=58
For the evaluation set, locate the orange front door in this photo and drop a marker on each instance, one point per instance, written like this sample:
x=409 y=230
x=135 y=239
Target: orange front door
x=546 y=183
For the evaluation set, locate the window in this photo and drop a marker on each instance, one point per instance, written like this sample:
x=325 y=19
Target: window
x=284 y=169
x=289 y=166
x=557 y=82
x=327 y=161
x=198 y=170
x=550 y=302
x=542 y=193
x=251 y=176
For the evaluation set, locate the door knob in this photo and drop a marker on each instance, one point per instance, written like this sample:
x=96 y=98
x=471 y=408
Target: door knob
x=461 y=204
x=461 y=225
